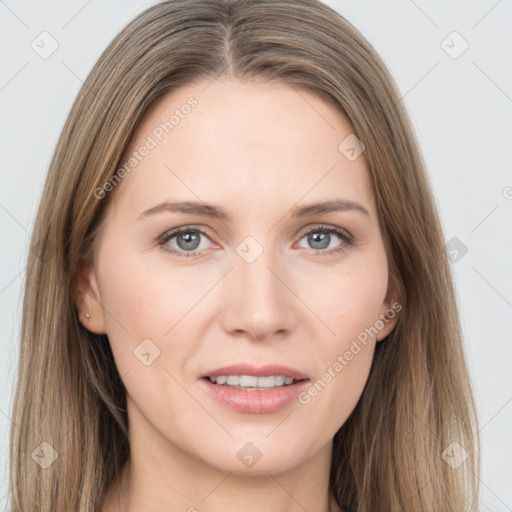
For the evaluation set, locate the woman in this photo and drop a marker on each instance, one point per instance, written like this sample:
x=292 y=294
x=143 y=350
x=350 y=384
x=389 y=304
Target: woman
x=237 y=295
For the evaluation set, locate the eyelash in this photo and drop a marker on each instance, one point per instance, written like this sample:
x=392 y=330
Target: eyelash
x=342 y=234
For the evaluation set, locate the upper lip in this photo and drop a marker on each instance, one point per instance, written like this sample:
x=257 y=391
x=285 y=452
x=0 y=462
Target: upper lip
x=258 y=371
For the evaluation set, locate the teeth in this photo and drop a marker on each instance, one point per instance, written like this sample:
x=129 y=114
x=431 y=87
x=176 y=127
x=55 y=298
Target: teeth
x=248 y=381
x=233 y=380
x=252 y=381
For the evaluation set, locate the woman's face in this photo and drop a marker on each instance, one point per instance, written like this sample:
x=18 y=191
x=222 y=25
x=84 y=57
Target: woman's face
x=258 y=278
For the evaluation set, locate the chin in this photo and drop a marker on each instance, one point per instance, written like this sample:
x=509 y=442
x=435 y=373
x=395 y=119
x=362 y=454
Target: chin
x=258 y=457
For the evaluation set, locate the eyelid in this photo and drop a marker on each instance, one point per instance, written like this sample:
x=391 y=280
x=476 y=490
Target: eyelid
x=168 y=235
x=326 y=227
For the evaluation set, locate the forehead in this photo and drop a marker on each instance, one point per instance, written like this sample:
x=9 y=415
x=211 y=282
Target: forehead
x=228 y=114
x=238 y=140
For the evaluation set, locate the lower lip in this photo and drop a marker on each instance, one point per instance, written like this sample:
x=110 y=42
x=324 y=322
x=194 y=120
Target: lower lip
x=254 y=401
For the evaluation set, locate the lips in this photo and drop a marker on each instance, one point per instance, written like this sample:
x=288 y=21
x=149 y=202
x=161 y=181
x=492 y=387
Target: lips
x=258 y=371
x=254 y=400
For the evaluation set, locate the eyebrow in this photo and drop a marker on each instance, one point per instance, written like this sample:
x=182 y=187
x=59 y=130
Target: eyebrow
x=213 y=211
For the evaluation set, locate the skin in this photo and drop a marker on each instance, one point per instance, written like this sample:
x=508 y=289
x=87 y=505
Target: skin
x=258 y=151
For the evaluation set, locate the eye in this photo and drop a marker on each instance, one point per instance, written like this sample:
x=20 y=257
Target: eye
x=188 y=241
x=320 y=238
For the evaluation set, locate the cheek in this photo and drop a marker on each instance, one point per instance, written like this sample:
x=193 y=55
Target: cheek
x=348 y=298
x=350 y=306
x=143 y=299
x=147 y=295
x=343 y=364
x=152 y=313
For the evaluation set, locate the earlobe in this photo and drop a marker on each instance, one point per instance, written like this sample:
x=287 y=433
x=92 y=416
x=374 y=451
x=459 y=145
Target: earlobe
x=88 y=315
x=88 y=303
x=387 y=320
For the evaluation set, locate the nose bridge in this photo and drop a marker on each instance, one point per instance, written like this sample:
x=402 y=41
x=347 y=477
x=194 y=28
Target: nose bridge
x=259 y=301
x=258 y=277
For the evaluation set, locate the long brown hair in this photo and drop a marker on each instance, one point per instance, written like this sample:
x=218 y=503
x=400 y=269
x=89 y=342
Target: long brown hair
x=390 y=455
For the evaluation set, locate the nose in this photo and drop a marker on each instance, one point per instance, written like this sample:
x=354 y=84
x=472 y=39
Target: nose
x=258 y=301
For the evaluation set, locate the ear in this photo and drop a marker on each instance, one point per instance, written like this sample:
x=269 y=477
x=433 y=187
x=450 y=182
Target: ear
x=88 y=302
x=390 y=310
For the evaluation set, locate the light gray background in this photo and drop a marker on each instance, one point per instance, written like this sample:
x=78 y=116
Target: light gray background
x=461 y=109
